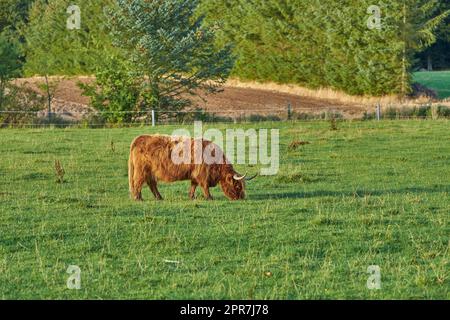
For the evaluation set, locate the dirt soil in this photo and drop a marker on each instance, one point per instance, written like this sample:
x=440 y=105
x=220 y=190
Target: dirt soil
x=231 y=102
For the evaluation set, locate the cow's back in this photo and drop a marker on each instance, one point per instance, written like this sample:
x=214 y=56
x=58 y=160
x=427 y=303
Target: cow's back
x=154 y=154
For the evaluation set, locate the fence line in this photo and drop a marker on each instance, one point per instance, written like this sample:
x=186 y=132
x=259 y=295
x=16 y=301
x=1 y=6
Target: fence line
x=77 y=118
x=143 y=124
x=159 y=111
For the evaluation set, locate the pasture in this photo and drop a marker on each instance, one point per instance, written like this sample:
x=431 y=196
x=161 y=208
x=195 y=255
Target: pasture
x=370 y=193
x=436 y=80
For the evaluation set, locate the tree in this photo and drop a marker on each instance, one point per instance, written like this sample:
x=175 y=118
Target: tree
x=49 y=86
x=115 y=91
x=9 y=63
x=420 y=22
x=436 y=56
x=13 y=14
x=53 y=49
x=327 y=43
x=171 y=50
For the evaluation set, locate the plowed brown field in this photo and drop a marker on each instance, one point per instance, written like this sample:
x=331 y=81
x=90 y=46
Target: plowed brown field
x=232 y=101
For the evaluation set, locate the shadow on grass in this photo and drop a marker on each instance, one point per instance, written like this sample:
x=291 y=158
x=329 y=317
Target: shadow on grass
x=357 y=193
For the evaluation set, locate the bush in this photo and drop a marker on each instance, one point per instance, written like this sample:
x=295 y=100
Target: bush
x=199 y=115
x=260 y=118
x=172 y=50
x=93 y=120
x=9 y=63
x=421 y=112
x=443 y=111
x=115 y=92
x=369 y=116
x=327 y=115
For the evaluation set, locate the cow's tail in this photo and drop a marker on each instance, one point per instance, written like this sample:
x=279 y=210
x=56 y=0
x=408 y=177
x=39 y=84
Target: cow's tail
x=131 y=173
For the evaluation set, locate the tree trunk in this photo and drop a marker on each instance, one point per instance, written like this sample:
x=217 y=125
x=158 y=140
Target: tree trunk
x=430 y=63
x=49 y=99
x=2 y=93
x=404 y=71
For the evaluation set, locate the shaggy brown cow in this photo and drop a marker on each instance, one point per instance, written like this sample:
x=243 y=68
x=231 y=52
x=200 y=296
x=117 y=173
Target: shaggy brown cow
x=151 y=161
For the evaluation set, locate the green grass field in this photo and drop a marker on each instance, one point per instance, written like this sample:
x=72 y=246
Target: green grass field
x=437 y=80
x=371 y=193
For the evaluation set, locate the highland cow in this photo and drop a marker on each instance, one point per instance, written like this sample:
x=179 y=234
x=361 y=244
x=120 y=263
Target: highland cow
x=152 y=160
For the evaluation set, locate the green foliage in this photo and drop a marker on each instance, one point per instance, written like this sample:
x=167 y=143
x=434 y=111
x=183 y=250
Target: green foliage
x=172 y=52
x=437 y=54
x=308 y=42
x=421 y=112
x=443 y=112
x=260 y=118
x=116 y=91
x=13 y=14
x=9 y=58
x=199 y=114
x=9 y=63
x=54 y=50
x=326 y=43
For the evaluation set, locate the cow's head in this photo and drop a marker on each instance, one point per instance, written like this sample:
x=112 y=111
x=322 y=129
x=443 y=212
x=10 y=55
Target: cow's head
x=233 y=185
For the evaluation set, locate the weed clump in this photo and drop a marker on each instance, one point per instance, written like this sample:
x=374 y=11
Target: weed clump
x=333 y=124
x=59 y=170
x=295 y=144
x=295 y=177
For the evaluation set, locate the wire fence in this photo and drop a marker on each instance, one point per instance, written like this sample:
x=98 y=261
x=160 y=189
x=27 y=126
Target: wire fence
x=88 y=117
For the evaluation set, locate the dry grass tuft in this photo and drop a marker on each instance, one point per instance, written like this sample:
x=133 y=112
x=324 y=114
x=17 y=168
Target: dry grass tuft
x=295 y=144
x=59 y=170
x=333 y=124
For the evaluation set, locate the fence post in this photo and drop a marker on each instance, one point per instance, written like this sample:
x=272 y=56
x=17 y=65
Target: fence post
x=378 y=112
x=289 y=111
x=153 y=118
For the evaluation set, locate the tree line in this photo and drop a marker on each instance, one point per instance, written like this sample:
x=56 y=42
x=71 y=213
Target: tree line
x=327 y=43
x=357 y=46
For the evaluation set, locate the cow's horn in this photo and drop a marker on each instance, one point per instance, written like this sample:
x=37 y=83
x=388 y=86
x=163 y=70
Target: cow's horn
x=236 y=177
x=251 y=178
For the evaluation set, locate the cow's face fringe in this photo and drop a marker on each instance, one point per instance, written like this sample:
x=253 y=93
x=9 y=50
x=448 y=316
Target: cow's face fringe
x=233 y=189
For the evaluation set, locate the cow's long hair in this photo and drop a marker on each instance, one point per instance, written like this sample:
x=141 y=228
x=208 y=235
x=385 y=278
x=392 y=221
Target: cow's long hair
x=151 y=161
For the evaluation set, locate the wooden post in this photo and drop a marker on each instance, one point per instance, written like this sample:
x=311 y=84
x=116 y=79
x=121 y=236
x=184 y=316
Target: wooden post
x=49 y=100
x=289 y=111
x=378 y=112
x=153 y=119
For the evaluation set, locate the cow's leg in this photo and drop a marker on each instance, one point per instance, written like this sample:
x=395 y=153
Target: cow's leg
x=154 y=188
x=139 y=178
x=137 y=190
x=192 y=190
x=206 y=192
